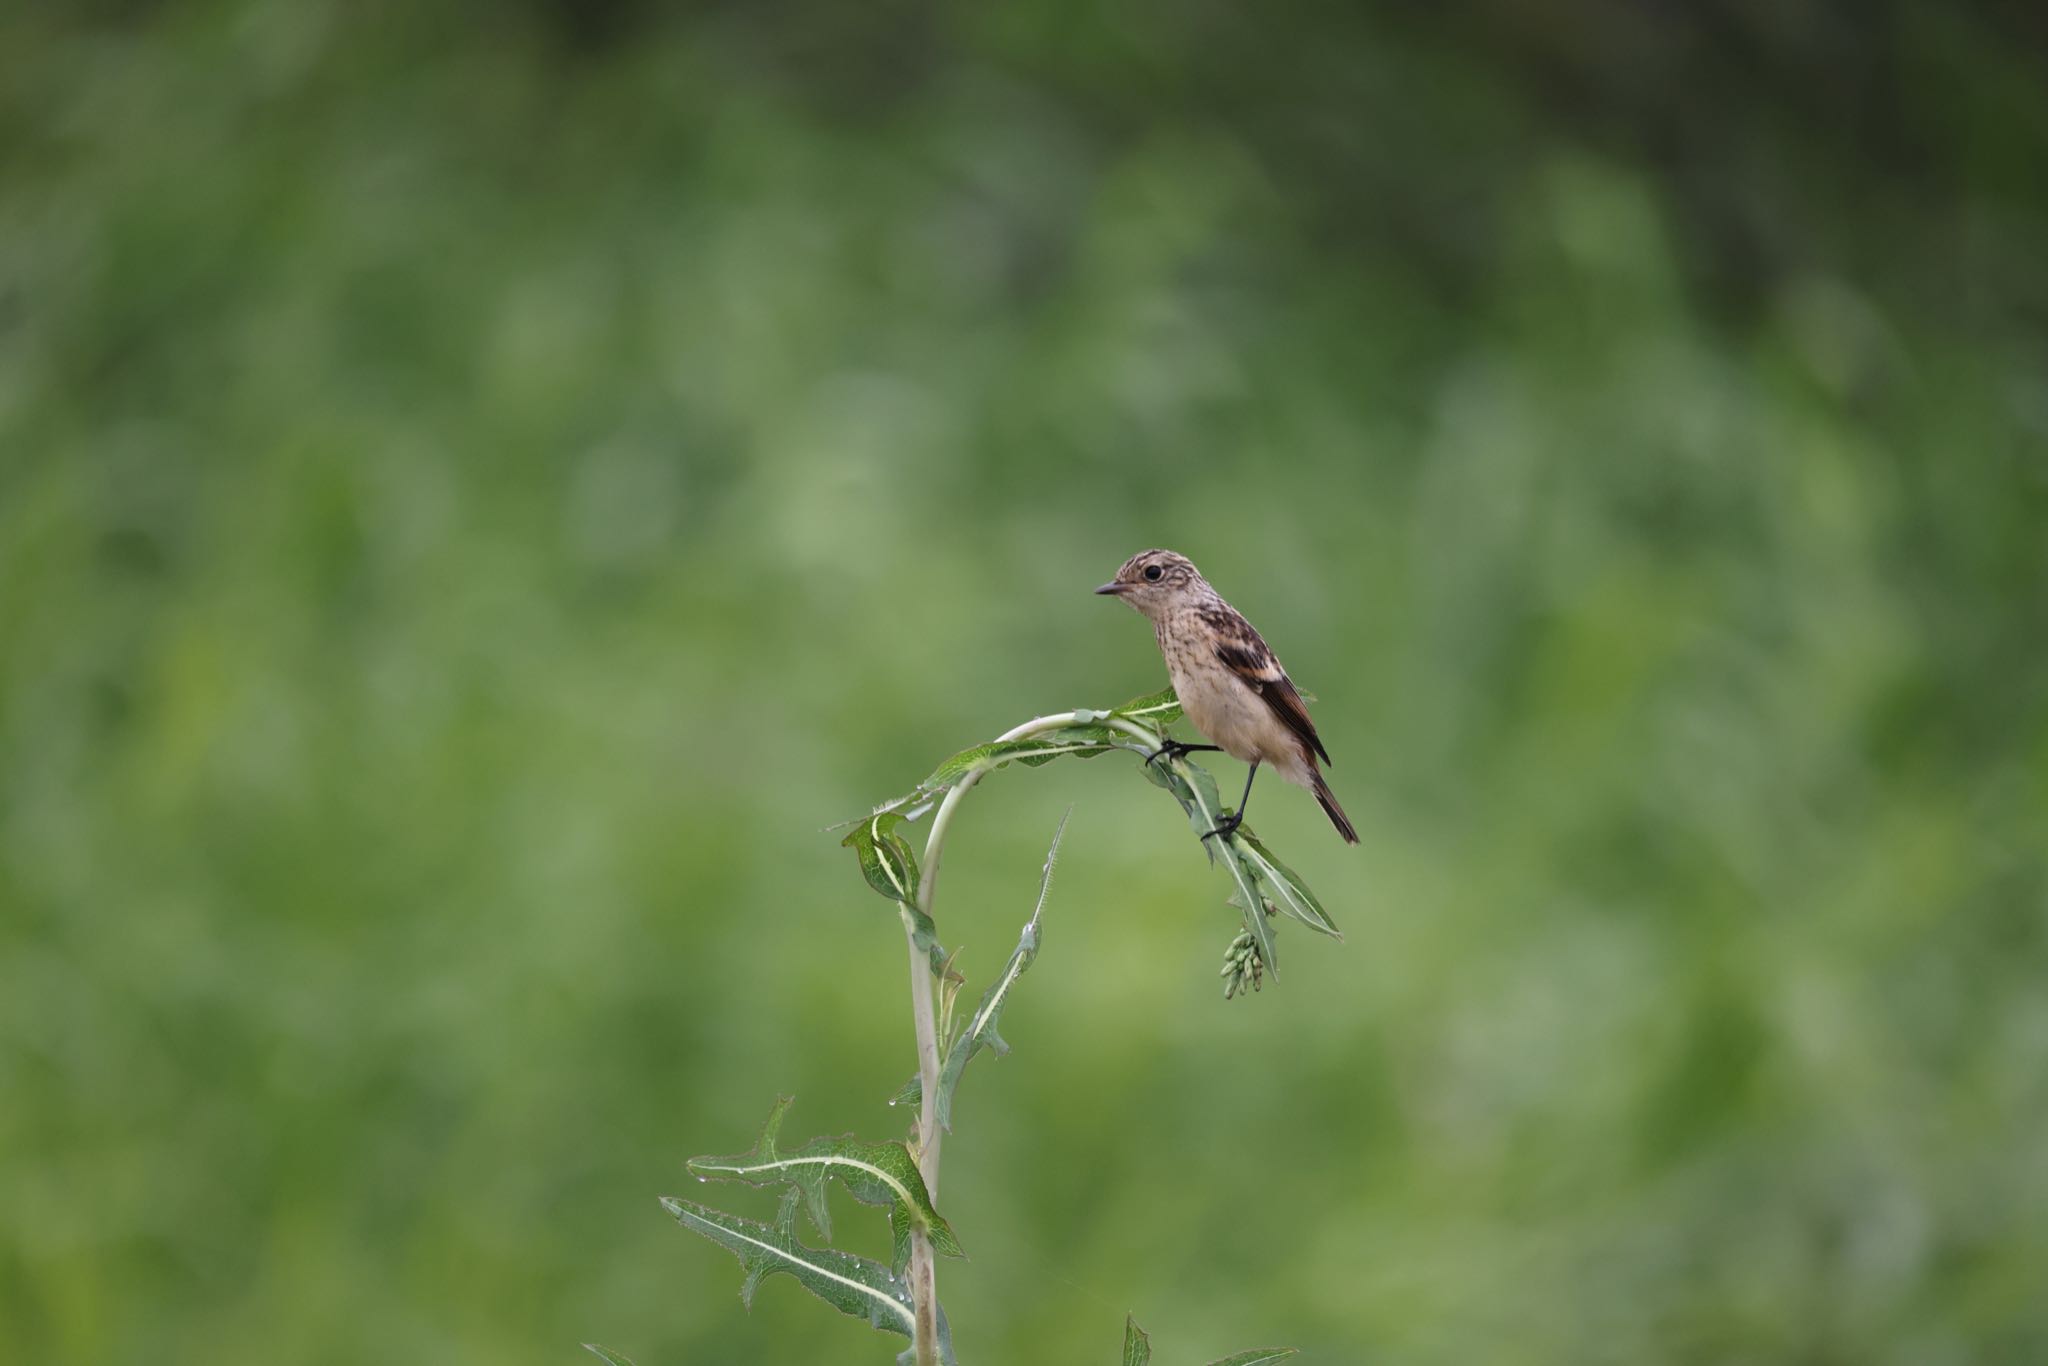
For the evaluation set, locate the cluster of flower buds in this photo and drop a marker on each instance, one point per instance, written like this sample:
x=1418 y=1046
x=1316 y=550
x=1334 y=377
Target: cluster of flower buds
x=1242 y=965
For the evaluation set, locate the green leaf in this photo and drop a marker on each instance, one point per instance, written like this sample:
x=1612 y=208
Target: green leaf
x=1195 y=789
x=1160 y=709
x=853 y=1285
x=1290 y=895
x=1206 y=812
x=1085 y=736
x=1253 y=906
x=1208 y=806
x=925 y=934
x=1163 y=774
x=1138 y=1350
x=1084 y=740
x=606 y=1354
x=1137 y=1347
x=978 y=1031
x=873 y=1173
x=886 y=859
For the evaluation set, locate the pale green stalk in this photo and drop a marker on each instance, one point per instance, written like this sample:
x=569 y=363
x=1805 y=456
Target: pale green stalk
x=923 y=1276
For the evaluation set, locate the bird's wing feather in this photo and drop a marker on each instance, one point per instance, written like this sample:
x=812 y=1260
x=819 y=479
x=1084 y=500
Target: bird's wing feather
x=1246 y=654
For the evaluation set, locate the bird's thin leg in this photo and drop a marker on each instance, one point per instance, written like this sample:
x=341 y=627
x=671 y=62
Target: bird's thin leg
x=1171 y=748
x=1227 y=825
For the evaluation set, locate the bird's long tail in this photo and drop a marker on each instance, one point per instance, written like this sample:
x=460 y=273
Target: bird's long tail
x=1328 y=799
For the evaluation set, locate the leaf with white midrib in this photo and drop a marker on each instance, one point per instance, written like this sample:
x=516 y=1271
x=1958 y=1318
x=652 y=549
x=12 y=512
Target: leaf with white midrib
x=1083 y=738
x=1086 y=735
x=873 y=1173
x=1290 y=894
x=1194 y=788
x=1257 y=1356
x=1161 y=708
x=607 y=1355
x=853 y=1285
x=1137 y=1346
x=886 y=859
x=1205 y=813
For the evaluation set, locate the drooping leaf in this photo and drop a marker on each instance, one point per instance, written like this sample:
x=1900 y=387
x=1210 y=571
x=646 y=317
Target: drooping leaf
x=1206 y=805
x=1195 y=789
x=607 y=1355
x=1160 y=773
x=1253 y=904
x=886 y=859
x=853 y=1285
x=1288 y=893
x=873 y=1173
x=1206 y=813
x=1137 y=1346
x=925 y=934
x=1257 y=1356
x=1158 y=710
x=889 y=865
x=978 y=1031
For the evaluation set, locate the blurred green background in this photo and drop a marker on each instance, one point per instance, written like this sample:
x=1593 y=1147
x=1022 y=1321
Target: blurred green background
x=482 y=486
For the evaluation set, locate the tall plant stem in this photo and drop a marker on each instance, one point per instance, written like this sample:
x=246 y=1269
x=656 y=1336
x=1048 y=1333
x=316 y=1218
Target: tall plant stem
x=923 y=1275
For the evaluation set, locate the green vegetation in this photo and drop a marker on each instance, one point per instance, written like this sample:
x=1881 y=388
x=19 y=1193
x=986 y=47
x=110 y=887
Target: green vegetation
x=902 y=1296
x=482 y=488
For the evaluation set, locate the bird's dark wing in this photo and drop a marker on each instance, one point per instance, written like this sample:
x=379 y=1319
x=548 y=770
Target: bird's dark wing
x=1246 y=654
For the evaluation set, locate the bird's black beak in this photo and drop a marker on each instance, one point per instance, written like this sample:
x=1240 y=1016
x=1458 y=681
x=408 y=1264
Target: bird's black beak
x=1115 y=590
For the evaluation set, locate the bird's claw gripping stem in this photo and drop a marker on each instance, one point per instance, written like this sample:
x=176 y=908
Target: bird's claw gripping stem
x=1227 y=825
x=1174 y=749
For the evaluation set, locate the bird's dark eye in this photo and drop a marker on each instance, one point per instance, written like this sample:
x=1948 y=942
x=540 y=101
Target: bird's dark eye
x=1152 y=572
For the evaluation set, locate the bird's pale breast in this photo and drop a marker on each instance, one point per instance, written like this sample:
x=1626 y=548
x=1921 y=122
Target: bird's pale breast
x=1220 y=704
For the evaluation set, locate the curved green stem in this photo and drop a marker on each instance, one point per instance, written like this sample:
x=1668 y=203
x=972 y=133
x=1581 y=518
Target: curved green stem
x=923 y=1275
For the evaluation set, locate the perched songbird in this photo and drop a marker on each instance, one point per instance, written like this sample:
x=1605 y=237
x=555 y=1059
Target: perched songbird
x=1230 y=685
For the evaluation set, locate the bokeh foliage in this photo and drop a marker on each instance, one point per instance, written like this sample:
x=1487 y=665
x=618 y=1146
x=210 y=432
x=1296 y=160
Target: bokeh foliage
x=482 y=486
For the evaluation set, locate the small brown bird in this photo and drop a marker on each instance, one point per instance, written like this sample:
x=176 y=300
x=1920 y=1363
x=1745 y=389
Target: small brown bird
x=1231 y=686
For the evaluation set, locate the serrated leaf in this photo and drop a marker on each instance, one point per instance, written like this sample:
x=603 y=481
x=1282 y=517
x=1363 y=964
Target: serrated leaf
x=978 y=1031
x=1257 y=1356
x=872 y=1173
x=853 y=1285
x=1137 y=1346
x=1160 y=709
x=886 y=859
x=909 y=1093
x=606 y=1354
x=1288 y=892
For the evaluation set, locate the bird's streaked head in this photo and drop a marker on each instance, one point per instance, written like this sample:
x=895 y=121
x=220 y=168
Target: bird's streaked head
x=1154 y=581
